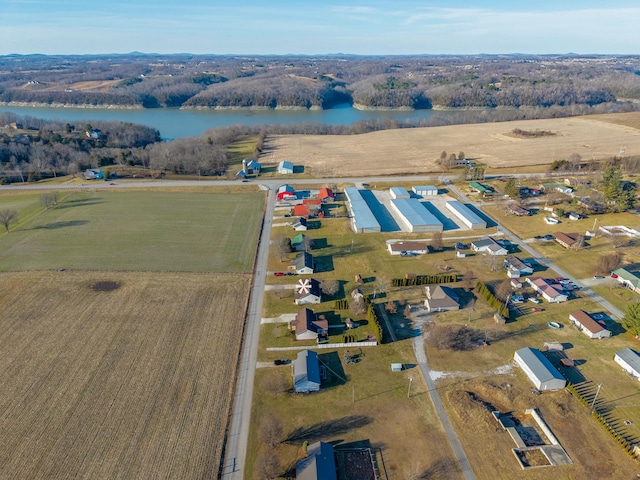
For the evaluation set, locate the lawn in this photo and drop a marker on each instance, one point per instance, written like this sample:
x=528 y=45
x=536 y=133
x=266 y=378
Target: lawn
x=135 y=382
x=139 y=231
x=365 y=403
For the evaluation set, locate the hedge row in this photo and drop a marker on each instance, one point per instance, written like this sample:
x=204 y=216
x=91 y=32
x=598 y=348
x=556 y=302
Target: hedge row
x=342 y=304
x=491 y=299
x=603 y=421
x=424 y=280
x=374 y=323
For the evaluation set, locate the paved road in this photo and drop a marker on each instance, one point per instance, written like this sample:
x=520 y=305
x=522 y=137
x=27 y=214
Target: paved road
x=236 y=446
x=542 y=260
x=456 y=446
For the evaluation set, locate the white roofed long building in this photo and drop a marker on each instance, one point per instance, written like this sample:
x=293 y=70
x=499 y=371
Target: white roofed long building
x=362 y=218
x=539 y=370
x=466 y=215
x=415 y=216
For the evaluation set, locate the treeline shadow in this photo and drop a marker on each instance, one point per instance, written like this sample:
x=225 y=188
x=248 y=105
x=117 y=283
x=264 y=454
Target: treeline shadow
x=329 y=428
x=56 y=225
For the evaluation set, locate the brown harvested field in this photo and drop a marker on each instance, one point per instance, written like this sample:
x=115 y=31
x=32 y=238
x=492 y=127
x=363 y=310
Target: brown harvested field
x=470 y=402
x=133 y=382
x=416 y=150
x=86 y=86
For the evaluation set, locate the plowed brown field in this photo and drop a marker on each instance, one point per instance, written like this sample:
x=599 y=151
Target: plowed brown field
x=416 y=150
x=130 y=383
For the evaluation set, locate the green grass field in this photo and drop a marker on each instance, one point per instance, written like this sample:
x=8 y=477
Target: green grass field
x=136 y=231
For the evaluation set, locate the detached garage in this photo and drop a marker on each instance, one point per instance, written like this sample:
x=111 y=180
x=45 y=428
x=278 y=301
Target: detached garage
x=539 y=370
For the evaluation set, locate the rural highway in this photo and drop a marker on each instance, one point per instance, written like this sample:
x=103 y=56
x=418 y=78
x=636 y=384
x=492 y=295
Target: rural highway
x=238 y=434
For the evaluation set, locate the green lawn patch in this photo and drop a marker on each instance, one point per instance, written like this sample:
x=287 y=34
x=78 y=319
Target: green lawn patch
x=139 y=231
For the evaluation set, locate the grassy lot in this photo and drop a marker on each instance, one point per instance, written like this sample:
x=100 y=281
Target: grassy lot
x=131 y=383
x=143 y=231
x=382 y=416
x=477 y=370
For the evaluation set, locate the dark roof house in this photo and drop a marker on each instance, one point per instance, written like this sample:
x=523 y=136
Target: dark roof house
x=304 y=263
x=307 y=326
x=320 y=463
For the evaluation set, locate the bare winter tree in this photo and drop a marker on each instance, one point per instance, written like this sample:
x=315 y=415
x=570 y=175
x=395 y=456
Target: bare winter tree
x=267 y=466
x=283 y=246
x=383 y=283
x=7 y=217
x=330 y=286
x=468 y=279
x=357 y=306
x=270 y=431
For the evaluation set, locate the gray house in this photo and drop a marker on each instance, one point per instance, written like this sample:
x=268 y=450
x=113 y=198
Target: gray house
x=303 y=263
x=539 y=370
x=320 y=463
x=306 y=372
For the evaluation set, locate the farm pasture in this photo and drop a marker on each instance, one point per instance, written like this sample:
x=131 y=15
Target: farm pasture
x=134 y=382
x=416 y=150
x=139 y=231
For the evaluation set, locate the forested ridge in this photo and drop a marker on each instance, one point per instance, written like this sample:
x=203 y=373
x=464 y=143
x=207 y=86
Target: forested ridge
x=416 y=82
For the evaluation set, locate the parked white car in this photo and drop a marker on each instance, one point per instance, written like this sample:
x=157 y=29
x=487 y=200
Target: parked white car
x=534 y=300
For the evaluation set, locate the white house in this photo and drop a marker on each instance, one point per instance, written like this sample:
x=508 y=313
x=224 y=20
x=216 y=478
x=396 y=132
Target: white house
x=300 y=225
x=549 y=293
x=511 y=262
x=538 y=369
x=407 y=247
x=307 y=326
x=306 y=372
x=489 y=245
x=629 y=360
x=587 y=325
x=308 y=291
x=303 y=263
x=285 y=168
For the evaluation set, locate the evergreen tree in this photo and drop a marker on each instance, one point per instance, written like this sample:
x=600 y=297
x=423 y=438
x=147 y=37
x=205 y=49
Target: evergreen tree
x=631 y=319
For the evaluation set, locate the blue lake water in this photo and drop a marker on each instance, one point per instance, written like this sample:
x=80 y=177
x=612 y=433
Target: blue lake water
x=175 y=123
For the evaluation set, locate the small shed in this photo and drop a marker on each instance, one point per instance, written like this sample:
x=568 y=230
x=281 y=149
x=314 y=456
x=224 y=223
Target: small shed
x=306 y=372
x=285 y=168
x=425 y=190
x=539 y=369
x=396 y=367
x=399 y=192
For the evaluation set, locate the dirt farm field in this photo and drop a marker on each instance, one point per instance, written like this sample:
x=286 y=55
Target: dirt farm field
x=131 y=382
x=416 y=150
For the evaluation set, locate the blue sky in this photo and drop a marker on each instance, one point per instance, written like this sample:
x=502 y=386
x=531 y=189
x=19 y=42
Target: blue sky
x=319 y=26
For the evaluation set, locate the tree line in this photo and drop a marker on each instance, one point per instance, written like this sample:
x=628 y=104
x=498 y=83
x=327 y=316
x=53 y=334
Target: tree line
x=419 y=82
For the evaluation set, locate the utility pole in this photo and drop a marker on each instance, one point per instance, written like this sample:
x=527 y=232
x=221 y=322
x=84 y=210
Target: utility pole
x=353 y=393
x=409 y=391
x=593 y=404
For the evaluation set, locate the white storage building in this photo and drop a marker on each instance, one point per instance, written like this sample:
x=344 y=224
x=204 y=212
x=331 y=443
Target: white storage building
x=425 y=190
x=629 y=361
x=362 y=218
x=539 y=370
x=466 y=216
x=415 y=216
x=399 y=192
